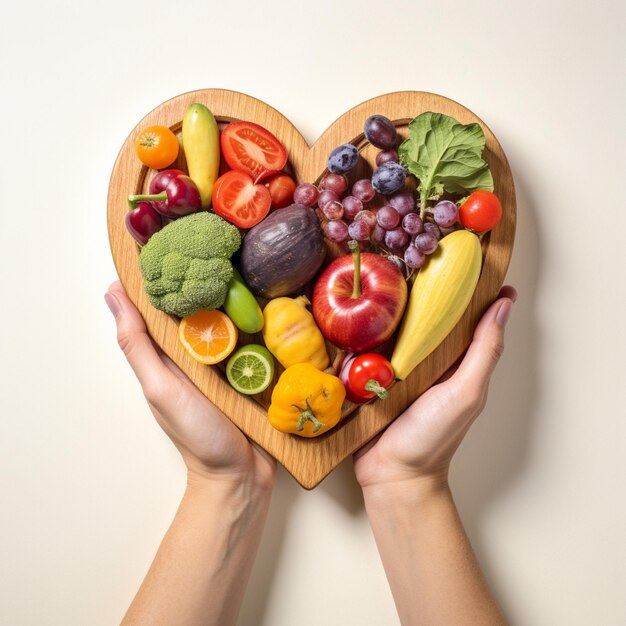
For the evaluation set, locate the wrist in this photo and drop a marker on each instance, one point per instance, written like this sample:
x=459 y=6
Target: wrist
x=242 y=486
x=236 y=506
x=257 y=473
x=413 y=491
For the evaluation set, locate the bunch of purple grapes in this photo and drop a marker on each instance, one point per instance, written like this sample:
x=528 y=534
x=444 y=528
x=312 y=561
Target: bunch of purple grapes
x=396 y=225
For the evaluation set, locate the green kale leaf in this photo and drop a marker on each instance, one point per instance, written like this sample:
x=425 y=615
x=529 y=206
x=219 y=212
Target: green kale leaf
x=445 y=156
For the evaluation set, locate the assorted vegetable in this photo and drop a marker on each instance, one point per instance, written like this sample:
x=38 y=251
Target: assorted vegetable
x=343 y=159
x=250 y=370
x=157 y=147
x=237 y=199
x=281 y=187
x=379 y=236
x=366 y=377
x=381 y=212
x=445 y=156
x=208 y=336
x=252 y=149
x=242 y=307
x=186 y=266
x=142 y=221
x=380 y=132
x=202 y=149
x=481 y=211
x=283 y=253
x=358 y=300
x=172 y=194
x=389 y=178
x=291 y=334
x=305 y=401
x=440 y=294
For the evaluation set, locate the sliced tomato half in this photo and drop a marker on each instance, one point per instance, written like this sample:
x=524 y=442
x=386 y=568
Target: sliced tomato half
x=252 y=149
x=237 y=199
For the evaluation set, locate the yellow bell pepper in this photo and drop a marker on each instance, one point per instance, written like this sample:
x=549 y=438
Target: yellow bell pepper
x=305 y=401
x=291 y=334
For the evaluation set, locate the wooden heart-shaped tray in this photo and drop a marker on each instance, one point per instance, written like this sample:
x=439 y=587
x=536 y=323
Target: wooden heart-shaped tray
x=309 y=460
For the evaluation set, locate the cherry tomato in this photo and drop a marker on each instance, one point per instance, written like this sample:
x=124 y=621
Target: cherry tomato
x=281 y=188
x=237 y=199
x=156 y=147
x=250 y=148
x=369 y=376
x=481 y=211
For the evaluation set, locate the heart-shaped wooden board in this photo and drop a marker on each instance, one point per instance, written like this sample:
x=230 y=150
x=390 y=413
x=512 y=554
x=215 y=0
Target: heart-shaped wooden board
x=309 y=460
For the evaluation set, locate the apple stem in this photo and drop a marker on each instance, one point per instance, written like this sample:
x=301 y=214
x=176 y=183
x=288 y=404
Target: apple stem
x=356 y=257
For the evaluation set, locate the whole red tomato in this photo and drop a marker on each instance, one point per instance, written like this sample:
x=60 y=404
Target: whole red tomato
x=481 y=211
x=368 y=375
x=358 y=300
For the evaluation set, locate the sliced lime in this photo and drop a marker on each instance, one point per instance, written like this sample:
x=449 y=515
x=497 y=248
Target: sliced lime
x=251 y=369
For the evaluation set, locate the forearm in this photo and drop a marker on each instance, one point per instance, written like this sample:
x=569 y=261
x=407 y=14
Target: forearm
x=200 y=571
x=432 y=571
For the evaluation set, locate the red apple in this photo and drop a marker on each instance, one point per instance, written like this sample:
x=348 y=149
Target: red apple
x=359 y=299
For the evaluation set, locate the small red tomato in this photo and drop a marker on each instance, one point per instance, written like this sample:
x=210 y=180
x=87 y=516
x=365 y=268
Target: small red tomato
x=281 y=188
x=237 y=199
x=370 y=375
x=481 y=211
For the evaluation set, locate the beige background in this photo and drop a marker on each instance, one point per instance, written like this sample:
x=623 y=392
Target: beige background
x=88 y=483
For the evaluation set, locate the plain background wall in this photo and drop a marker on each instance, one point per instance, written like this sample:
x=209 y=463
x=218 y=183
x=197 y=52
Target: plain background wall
x=88 y=482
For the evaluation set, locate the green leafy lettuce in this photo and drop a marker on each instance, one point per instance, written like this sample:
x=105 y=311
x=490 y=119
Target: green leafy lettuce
x=445 y=156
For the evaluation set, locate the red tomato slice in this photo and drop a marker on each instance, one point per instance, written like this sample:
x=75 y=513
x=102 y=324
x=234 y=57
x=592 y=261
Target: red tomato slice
x=281 y=188
x=250 y=148
x=237 y=199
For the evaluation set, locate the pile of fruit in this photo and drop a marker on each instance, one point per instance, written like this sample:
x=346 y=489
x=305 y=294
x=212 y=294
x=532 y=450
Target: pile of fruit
x=388 y=263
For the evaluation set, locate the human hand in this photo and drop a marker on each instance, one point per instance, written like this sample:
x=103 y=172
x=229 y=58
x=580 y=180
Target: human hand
x=420 y=443
x=210 y=444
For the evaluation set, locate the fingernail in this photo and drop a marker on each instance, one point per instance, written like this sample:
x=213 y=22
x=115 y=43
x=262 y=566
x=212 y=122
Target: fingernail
x=504 y=312
x=113 y=303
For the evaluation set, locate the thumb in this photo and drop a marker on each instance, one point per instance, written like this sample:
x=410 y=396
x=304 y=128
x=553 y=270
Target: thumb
x=487 y=345
x=133 y=338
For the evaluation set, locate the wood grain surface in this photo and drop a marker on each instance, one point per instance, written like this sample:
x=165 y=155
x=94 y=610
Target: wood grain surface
x=309 y=460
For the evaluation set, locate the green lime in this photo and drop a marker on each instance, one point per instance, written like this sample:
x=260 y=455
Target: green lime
x=251 y=369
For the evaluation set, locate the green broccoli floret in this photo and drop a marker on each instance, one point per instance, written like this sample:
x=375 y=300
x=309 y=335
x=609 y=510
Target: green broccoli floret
x=186 y=265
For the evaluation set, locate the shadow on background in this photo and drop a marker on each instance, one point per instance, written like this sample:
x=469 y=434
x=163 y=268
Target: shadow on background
x=496 y=448
x=286 y=492
x=341 y=485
